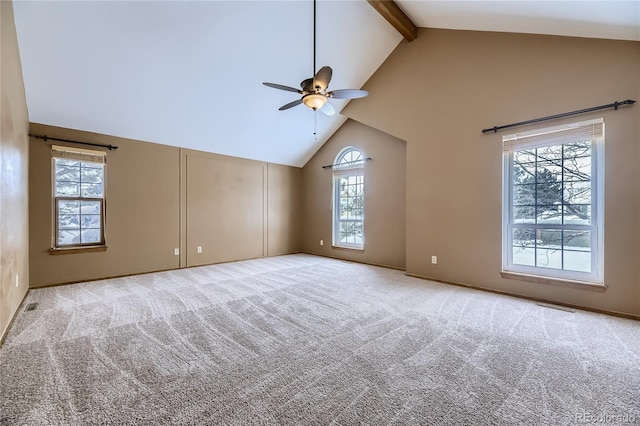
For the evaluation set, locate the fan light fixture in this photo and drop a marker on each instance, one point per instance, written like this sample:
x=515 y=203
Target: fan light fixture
x=314 y=101
x=314 y=90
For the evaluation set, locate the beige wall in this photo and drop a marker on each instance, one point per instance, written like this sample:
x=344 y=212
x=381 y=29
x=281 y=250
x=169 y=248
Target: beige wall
x=142 y=210
x=225 y=208
x=439 y=91
x=14 y=154
x=384 y=225
x=160 y=198
x=284 y=209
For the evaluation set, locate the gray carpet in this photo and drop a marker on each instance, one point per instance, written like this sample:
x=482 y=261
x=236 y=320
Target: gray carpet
x=307 y=340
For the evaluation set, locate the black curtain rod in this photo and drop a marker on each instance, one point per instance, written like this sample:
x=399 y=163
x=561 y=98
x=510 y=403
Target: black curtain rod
x=331 y=166
x=614 y=105
x=46 y=138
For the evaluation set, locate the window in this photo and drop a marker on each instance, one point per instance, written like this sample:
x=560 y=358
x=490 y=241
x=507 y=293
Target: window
x=348 y=199
x=553 y=202
x=78 y=197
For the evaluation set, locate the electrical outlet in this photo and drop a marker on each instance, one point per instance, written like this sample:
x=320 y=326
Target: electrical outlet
x=434 y=259
x=321 y=242
x=17 y=280
x=176 y=252
x=199 y=249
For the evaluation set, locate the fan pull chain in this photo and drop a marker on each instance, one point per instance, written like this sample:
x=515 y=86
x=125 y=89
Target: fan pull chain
x=315 y=125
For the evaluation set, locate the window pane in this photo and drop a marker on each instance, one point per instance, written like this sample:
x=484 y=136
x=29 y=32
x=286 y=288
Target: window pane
x=524 y=237
x=577 y=149
x=68 y=237
x=524 y=214
x=524 y=156
x=524 y=173
x=549 y=193
x=351 y=232
x=66 y=162
x=90 y=174
x=549 y=248
x=346 y=233
x=577 y=192
x=67 y=189
x=577 y=260
x=68 y=221
x=549 y=171
x=523 y=246
x=547 y=153
x=577 y=254
x=577 y=240
x=577 y=214
x=69 y=173
x=577 y=168
x=549 y=238
x=90 y=207
x=549 y=258
x=92 y=190
x=68 y=207
x=90 y=221
x=90 y=236
x=523 y=255
x=350 y=158
x=549 y=214
x=524 y=195
x=359 y=232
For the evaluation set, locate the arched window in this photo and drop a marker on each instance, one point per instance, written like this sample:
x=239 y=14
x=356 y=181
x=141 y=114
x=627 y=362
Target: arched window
x=348 y=199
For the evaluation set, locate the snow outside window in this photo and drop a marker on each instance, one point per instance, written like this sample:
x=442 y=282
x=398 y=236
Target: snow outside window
x=78 y=197
x=553 y=202
x=348 y=199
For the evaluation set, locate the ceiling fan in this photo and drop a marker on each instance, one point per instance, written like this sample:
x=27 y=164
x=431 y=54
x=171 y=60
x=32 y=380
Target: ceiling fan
x=314 y=90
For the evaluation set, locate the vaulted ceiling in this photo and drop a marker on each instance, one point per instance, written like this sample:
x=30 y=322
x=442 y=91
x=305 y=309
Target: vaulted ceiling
x=190 y=73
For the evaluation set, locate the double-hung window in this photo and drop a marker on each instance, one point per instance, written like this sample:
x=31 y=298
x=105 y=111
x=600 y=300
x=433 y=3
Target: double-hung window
x=348 y=199
x=78 y=197
x=553 y=202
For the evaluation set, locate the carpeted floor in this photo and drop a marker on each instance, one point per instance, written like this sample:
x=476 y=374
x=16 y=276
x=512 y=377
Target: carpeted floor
x=307 y=340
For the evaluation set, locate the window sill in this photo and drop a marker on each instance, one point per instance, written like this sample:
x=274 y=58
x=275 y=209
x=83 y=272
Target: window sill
x=361 y=250
x=72 y=250
x=554 y=281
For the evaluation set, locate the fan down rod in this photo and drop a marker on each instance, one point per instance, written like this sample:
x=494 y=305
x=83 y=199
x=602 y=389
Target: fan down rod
x=314 y=38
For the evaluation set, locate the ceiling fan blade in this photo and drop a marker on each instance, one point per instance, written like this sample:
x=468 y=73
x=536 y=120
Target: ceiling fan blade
x=322 y=78
x=347 y=94
x=307 y=85
x=282 y=87
x=290 y=104
x=328 y=109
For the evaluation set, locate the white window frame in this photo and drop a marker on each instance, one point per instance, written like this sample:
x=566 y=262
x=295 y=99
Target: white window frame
x=547 y=137
x=343 y=168
x=85 y=156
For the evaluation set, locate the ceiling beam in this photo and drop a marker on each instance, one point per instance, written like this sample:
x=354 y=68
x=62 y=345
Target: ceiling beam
x=396 y=17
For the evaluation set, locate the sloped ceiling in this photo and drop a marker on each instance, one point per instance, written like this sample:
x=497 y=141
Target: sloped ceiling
x=190 y=73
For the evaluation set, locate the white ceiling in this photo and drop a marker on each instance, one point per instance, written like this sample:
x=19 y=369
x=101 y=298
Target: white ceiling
x=190 y=73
